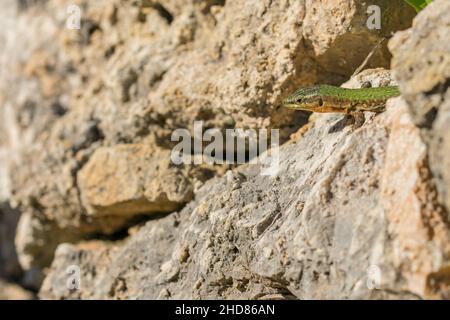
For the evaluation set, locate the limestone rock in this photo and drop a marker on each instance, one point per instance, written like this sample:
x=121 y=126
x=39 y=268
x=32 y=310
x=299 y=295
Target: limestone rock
x=139 y=71
x=342 y=33
x=318 y=229
x=86 y=118
x=10 y=291
x=130 y=179
x=100 y=278
x=421 y=64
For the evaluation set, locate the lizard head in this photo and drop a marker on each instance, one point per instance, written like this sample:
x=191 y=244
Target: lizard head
x=305 y=99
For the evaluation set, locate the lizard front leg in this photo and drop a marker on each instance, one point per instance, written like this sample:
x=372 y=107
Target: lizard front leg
x=359 y=119
x=356 y=118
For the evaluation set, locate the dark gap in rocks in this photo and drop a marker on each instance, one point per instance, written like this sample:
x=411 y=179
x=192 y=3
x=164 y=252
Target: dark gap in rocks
x=10 y=269
x=118 y=235
x=114 y=19
x=157 y=78
x=211 y=3
x=130 y=79
x=90 y=136
x=122 y=233
x=27 y=113
x=425 y=121
x=9 y=264
x=222 y=154
x=162 y=11
x=440 y=88
x=35 y=204
x=428 y=118
x=88 y=27
x=110 y=51
x=58 y=109
x=94 y=134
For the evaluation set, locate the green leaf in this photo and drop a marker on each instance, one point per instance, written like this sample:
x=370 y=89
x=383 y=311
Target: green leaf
x=419 y=4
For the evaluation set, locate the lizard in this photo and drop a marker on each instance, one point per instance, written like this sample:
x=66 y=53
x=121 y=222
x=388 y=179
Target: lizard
x=353 y=102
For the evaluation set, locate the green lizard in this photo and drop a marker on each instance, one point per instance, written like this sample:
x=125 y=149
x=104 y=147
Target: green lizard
x=353 y=102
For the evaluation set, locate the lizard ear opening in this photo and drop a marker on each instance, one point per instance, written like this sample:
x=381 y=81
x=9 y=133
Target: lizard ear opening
x=320 y=102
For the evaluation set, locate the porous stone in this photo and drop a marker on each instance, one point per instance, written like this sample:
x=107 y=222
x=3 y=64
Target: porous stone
x=421 y=64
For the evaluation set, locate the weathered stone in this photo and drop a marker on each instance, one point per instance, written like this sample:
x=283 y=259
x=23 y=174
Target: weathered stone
x=419 y=243
x=11 y=291
x=342 y=32
x=105 y=89
x=131 y=179
x=86 y=120
x=99 y=278
x=421 y=64
x=351 y=195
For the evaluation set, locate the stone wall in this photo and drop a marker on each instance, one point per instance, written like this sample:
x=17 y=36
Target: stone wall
x=86 y=139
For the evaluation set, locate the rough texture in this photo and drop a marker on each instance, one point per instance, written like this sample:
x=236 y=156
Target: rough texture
x=422 y=66
x=130 y=179
x=87 y=117
x=362 y=198
x=11 y=291
x=134 y=73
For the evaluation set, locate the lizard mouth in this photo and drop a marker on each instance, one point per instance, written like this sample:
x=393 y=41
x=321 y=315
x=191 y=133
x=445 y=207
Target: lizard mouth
x=296 y=106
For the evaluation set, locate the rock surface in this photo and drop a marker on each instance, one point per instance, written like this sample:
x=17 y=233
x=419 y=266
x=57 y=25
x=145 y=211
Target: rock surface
x=422 y=66
x=88 y=118
x=130 y=179
x=364 y=199
x=130 y=76
x=11 y=291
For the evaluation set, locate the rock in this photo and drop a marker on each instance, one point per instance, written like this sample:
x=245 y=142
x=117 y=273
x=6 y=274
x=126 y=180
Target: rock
x=10 y=291
x=417 y=223
x=130 y=179
x=86 y=121
x=100 y=278
x=34 y=237
x=133 y=74
x=330 y=240
x=421 y=64
x=342 y=33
